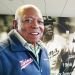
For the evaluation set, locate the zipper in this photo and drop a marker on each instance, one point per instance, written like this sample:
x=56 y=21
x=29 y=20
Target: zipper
x=35 y=62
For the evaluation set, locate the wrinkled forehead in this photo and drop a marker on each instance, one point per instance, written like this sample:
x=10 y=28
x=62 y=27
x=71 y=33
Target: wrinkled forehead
x=28 y=11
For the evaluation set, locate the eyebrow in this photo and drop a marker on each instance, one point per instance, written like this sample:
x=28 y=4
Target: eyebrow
x=33 y=17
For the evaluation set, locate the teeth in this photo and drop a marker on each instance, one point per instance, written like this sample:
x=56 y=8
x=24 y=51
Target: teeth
x=34 y=33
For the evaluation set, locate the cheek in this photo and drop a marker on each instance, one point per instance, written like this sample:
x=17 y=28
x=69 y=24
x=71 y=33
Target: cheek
x=24 y=28
x=42 y=28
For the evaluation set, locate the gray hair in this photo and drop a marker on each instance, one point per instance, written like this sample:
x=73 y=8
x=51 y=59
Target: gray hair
x=19 y=12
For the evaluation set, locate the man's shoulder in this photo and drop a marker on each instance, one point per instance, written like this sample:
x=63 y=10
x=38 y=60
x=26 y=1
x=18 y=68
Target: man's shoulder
x=3 y=45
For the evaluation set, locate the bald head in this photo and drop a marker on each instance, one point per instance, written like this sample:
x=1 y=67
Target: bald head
x=20 y=12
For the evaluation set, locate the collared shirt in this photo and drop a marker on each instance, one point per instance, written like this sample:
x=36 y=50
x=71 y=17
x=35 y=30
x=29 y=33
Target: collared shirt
x=29 y=46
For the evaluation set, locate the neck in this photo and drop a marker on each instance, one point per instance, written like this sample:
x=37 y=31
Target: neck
x=34 y=44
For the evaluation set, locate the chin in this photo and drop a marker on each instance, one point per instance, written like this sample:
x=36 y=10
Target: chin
x=35 y=41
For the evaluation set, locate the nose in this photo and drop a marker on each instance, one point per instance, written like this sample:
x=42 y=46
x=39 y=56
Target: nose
x=35 y=24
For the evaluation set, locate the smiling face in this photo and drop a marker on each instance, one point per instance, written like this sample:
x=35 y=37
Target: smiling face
x=49 y=30
x=30 y=25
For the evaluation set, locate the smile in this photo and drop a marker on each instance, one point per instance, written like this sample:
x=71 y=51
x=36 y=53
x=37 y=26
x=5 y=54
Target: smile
x=34 y=33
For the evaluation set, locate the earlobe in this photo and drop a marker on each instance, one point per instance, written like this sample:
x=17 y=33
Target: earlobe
x=14 y=24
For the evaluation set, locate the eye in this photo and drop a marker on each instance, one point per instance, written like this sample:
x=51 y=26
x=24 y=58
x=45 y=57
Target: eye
x=40 y=22
x=29 y=20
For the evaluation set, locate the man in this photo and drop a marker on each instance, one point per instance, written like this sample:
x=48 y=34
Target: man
x=22 y=53
x=48 y=33
x=54 y=44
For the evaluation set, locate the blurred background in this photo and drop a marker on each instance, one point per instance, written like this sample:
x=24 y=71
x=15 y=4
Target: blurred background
x=61 y=11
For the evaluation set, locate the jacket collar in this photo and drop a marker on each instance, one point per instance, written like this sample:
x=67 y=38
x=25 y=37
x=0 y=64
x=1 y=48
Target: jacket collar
x=15 y=43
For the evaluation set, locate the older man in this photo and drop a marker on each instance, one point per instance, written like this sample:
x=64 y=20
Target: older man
x=22 y=53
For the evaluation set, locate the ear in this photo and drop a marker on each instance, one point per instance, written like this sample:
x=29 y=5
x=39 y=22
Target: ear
x=14 y=24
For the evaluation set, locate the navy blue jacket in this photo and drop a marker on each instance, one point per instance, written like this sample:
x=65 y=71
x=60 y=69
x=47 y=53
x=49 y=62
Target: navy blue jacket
x=17 y=60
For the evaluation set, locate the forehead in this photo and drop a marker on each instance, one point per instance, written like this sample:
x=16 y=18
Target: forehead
x=30 y=12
